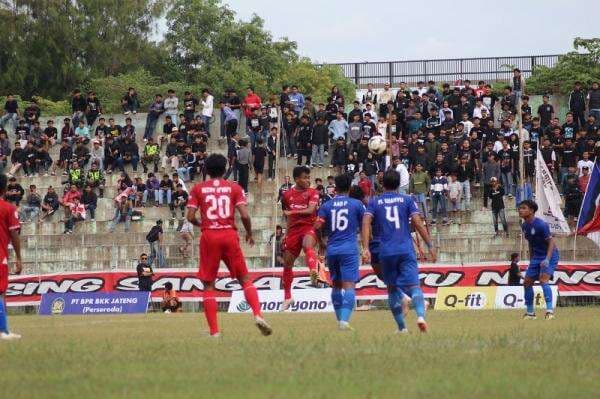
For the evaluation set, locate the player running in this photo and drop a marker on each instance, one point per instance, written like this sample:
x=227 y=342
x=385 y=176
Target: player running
x=394 y=213
x=300 y=206
x=544 y=257
x=9 y=233
x=217 y=199
x=343 y=216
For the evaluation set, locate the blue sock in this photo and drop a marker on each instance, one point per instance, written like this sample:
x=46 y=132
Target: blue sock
x=336 y=300
x=395 y=301
x=529 y=299
x=3 y=318
x=348 y=301
x=416 y=294
x=547 y=296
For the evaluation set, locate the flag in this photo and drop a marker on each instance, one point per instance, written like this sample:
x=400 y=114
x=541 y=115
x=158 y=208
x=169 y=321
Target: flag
x=548 y=198
x=588 y=223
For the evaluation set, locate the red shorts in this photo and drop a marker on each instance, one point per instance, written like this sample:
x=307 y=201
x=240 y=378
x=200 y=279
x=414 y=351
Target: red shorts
x=217 y=246
x=292 y=241
x=3 y=278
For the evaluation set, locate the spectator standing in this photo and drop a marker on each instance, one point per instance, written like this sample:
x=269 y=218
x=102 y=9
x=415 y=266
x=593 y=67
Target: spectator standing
x=319 y=139
x=272 y=143
x=573 y=199
x=145 y=273
x=130 y=102
x=496 y=196
x=186 y=233
x=11 y=112
x=593 y=102
x=207 y=109
x=338 y=128
x=296 y=101
x=439 y=191
x=491 y=169
x=78 y=107
x=419 y=188
x=514 y=272
x=577 y=102
x=154 y=112
x=260 y=154
x=243 y=164
x=189 y=106
x=454 y=197
x=155 y=238
x=171 y=105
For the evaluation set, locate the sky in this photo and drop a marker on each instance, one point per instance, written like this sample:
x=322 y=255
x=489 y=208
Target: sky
x=355 y=31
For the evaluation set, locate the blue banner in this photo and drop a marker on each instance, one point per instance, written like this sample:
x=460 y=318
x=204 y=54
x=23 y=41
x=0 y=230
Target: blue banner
x=94 y=303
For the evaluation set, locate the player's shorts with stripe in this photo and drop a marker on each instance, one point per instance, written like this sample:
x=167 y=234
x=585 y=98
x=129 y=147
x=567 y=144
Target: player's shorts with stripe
x=374 y=250
x=343 y=267
x=3 y=278
x=400 y=270
x=292 y=241
x=534 y=269
x=217 y=246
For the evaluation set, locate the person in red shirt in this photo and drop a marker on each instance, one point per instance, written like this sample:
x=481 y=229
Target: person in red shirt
x=251 y=103
x=9 y=233
x=216 y=200
x=584 y=179
x=365 y=184
x=300 y=206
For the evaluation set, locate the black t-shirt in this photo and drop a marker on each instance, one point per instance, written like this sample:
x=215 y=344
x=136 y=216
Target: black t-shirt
x=189 y=104
x=93 y=105
x=496 y=195
x=78 y=104
x=11 y=106
x=145 y=282
x=545 y=112
x=513 y=274
x=50 y=132
x=568 y=130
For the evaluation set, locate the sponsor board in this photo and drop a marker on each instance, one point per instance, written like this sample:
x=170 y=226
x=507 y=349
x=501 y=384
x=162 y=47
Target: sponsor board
x=475 y=298
x=305 y=301
x=94 y=303
x=513 y=297
x=572 y=279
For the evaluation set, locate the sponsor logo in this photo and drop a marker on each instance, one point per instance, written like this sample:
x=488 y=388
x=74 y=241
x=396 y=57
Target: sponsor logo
x=58 y=306
x=243 y=306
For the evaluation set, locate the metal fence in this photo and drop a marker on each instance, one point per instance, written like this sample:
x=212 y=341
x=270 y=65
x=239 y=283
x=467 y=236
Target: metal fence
x=450 y=70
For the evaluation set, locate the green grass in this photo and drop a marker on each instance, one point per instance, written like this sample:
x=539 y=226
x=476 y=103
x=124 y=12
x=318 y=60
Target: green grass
x=468 y=354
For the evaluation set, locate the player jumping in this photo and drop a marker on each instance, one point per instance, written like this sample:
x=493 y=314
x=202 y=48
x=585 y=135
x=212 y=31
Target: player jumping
x=217 y=199
x=343 y=216
x=9 y=232
x=544 y=257
x=300 y=206
x=394 y=213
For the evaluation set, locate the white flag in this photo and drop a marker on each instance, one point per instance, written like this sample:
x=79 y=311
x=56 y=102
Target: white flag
x=548 y=198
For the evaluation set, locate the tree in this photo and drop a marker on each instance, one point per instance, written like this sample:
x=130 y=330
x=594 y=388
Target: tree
x=571 y=67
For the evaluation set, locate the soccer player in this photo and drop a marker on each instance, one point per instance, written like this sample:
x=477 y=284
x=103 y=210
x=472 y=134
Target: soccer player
x=217 y=199
x=299 y=204
x=9 y=232
x=543 y=255
x=394 y=213
x=343 y=217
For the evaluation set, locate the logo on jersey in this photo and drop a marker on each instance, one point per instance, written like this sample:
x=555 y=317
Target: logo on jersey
x=216 y=183
x=533 y=231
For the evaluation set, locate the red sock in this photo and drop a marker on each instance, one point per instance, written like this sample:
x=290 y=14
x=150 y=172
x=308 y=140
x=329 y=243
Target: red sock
x=311 y=258
x=210 y=311
x=288 y=277
x=252 y=297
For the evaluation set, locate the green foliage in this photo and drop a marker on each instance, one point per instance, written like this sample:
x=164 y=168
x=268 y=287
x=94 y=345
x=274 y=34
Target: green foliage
x=571 y=67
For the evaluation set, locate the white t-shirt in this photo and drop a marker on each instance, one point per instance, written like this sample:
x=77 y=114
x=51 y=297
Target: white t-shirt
x=207 y=106
x=582 y=163
x=404 y=176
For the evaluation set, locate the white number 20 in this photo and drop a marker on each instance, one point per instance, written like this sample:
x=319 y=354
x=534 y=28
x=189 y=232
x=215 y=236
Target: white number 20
x=218 y=207
x=391 y=214
x=339 y=219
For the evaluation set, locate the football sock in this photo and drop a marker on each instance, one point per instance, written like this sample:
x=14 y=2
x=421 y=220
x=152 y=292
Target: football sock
x=288 y=277
x=547 y=296
x=348 y=301
x=395 y=301
x=3 y=318
x=336 y=301
x=416 y=295
x=251 y=296
x=311 y=258
x=529 y=298
x=210 y=311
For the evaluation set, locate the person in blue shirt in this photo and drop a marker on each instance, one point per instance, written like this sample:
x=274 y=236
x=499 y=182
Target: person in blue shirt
x=342 y=216
x=394 y=214
x=543 y=255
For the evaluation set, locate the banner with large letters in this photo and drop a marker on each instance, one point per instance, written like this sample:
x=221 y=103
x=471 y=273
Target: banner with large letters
x=572 y=279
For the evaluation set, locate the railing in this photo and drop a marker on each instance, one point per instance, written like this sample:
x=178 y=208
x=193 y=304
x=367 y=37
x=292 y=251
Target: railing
x=474 y=69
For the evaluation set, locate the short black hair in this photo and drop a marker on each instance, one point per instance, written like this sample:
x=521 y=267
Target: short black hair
x=299 y=170
x=514 y=256
x=356 y=193
x=342 y=183
x=168 y=286
x=391 y=180
x=530 y=204
x=215 y=165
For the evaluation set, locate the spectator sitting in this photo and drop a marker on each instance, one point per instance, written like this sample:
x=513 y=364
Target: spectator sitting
x=180 y=197
x=69 y=197
x=14 y=192
x=97 y=153
x=95 y=178
x=170 y=302
x=129 y=153
x=82 y=132
x=76 y=213
x=186 y=233
x=50 y=203
x=151 y=155
x=90 y=201
x=152 y=189
x=75 y=175
x=81 y=153
x=31 y=209
x=65 y=156
x=17 y=159
x=123 y=211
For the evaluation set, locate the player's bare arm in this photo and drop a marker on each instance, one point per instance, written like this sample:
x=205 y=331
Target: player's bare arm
x=247 y=222
x=418 y=225
x=16 y=243
x=365 y=233
x=191 y=217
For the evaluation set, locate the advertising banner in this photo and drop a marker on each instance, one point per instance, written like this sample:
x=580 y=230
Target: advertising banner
x=305 y=301
x=513 y=297
x=94 y=303
x=475 y=298
x=572 y=279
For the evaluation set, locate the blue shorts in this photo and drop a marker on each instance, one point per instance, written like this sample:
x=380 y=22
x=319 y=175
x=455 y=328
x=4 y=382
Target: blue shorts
x=343 y=267
x=534 y=269
x=374 y=250
x=400 y=270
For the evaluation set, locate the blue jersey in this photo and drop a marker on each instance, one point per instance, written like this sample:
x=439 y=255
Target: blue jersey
x=391 y=214
x=343 y=217
x=538 y=233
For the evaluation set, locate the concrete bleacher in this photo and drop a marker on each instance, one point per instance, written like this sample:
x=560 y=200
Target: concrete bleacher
x=93 y=247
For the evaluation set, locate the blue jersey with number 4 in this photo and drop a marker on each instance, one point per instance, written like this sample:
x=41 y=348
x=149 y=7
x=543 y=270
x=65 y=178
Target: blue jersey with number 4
x=391 y=214
x=343 y=217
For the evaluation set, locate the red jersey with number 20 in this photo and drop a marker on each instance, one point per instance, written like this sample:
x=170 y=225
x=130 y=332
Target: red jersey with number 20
x=216 y=199
x=297 y=200
x=9 y=220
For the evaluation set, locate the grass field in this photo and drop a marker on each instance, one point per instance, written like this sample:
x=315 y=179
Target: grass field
x=469 y=354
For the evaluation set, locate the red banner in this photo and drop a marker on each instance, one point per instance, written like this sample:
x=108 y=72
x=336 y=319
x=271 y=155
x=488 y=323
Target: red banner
x=573 y=279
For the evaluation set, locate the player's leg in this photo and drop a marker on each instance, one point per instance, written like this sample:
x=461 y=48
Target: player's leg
x=532 y=274
x=350 y=275
x=5 y=334
x=390 y=273
x=287 y=279
x=309 y=241
x=546 y=274
x=333 y=265
x=210 y=256
x=409 y=281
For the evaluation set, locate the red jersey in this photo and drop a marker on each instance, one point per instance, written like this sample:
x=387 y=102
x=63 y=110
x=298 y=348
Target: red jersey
x=216 y=199
x=9 y=220
x=294 y=200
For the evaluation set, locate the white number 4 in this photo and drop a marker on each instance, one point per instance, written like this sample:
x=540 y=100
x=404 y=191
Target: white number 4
x=391 y=214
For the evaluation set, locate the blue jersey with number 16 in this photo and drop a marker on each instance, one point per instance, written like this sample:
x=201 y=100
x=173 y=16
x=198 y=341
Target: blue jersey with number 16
x=391 y=214
x=343 y=217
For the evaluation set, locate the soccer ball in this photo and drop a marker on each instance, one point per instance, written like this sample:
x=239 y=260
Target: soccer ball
x=377 y=145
